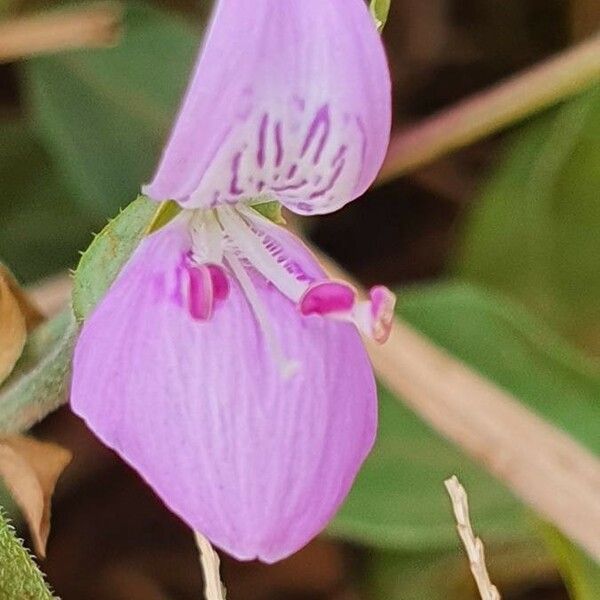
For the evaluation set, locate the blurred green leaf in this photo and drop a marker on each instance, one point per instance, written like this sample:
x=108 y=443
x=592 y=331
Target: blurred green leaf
x=105 y=114
x=38 y=384
x=102 y=261
x=42 y=227
x=580 y=572
x=418 y=576
x=398 y=500
x=20 y=578
x=533 y=232
x=446 y=575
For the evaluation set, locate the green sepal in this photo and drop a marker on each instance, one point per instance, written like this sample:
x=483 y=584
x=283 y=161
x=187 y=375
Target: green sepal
x=270 y=210
x=103 y=260
x=165 y=213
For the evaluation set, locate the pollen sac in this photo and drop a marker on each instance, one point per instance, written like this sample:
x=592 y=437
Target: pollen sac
x=327 y=297
x=202 y=287
x=373 y=317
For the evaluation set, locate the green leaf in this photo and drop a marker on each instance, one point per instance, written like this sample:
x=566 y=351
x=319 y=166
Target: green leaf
x=38 y=384
x=106 y=255
x=43 y=229
x=380 y=10
x=532 y=233
x=105 y=114
x=580 y=572
x=20 y=578
x=398 y=500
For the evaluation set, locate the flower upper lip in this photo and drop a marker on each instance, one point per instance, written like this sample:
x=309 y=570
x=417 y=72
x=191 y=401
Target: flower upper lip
x=297 y=107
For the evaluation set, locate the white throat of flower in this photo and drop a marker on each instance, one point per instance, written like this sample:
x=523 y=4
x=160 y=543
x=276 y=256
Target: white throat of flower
x=235 y=241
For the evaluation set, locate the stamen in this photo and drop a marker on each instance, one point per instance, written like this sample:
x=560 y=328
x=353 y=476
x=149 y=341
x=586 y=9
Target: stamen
x=383 y=302
x=287 y=367
x=374 y=317
x=263 y=256
x=205 y=286
x=200 y=295
x=337 y=300
x=327 y=297
x=237 y=235
x=219 y=281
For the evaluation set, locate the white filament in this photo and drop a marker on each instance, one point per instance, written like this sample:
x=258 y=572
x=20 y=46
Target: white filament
x=286 y=366
x=252 y=247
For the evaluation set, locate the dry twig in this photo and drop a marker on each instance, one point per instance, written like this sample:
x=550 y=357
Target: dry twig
x=92 y=26
x=209 y=559
x=473 y=545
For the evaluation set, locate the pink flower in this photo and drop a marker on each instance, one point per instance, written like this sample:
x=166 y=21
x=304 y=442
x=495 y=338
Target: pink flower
x=223 y=364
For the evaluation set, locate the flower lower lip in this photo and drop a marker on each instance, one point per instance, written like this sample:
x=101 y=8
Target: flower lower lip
x=231 y=443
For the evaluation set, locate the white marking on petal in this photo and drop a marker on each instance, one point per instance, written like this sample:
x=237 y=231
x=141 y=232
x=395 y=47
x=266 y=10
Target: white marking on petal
x=288 y=368
x=308 y=158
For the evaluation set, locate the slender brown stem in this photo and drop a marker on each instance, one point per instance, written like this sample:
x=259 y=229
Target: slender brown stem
x=92 y=26
x=490 y=111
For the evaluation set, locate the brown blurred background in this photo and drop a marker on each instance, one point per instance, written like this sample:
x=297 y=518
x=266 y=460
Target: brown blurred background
x=111 y=539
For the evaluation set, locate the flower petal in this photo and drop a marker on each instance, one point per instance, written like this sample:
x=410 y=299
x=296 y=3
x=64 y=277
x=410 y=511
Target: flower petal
x=257 y=462
x=290 y=99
